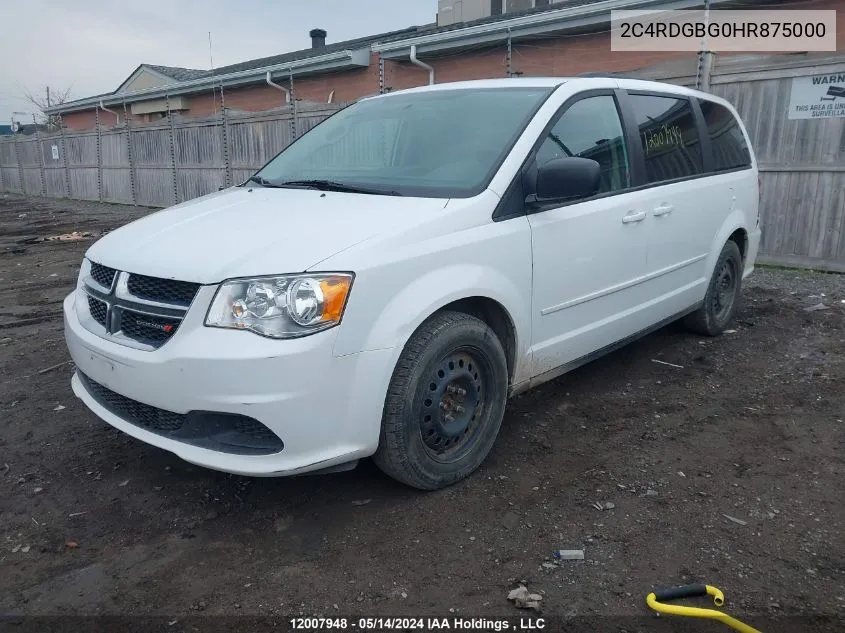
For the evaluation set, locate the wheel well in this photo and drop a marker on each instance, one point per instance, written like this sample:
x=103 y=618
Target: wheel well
x=496 y=317
x=741 y=238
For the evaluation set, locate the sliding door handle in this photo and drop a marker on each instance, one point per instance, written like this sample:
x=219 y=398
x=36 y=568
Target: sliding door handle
x=633 y=216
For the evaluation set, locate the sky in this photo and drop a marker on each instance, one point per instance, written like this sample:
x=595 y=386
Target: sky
x=92 y=46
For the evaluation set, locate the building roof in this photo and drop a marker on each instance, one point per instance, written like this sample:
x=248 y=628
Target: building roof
x=178 y=74
x=282 y=59
x=340 y=54
x=188 y=74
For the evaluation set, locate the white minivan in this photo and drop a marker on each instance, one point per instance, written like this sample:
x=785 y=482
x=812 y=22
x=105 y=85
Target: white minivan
x=384 y=284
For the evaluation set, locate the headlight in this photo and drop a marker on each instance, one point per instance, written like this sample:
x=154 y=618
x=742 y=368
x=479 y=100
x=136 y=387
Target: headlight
x=287 y=306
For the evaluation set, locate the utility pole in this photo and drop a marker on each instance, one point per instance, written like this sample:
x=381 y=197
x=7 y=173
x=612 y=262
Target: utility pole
x=48 y=96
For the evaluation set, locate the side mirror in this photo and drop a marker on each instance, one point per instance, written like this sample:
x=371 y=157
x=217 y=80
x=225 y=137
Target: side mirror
x=570 y=178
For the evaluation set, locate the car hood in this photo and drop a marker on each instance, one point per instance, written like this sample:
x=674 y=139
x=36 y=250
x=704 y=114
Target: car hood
x=242 y=232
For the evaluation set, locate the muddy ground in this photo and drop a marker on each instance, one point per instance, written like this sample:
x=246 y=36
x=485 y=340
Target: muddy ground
x=750 y=426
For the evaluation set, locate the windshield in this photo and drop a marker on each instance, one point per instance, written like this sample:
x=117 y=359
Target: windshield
x=443 y=143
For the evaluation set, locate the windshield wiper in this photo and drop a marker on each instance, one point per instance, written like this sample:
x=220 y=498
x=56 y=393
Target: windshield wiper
x=263 y=181
x=331 y=185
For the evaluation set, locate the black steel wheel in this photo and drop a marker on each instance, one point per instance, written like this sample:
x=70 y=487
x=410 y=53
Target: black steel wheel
x=720 y=302
x=445 y=403
x=724 y=290
x=453 y=408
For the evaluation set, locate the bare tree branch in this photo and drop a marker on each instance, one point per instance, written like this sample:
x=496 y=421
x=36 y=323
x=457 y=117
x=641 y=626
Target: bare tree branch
x=50 y=98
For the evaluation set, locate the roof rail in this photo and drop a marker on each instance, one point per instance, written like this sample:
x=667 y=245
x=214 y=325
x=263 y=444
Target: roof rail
x=608 y=76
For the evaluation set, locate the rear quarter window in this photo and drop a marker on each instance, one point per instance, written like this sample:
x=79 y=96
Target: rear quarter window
x=669 y=136
x=730 y=150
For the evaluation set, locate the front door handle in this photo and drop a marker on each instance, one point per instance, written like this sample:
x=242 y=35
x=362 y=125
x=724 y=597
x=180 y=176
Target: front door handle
x=633 y=216
x=663 y=209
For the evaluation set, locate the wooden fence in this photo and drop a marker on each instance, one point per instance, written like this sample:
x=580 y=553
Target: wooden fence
x=153 y=165
x=802 y=162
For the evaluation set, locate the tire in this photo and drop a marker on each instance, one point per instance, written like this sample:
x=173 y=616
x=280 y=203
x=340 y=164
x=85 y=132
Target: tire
x=722 y=298
x=432 y=434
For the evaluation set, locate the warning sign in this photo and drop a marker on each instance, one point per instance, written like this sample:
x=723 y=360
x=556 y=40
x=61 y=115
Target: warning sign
x=818 y=96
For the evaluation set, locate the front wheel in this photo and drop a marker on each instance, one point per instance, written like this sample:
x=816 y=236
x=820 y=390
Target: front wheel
x=720 y=302
x=445 y=403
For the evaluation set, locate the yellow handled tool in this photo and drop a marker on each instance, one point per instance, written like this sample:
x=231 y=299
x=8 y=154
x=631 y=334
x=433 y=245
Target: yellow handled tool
x=656 y=599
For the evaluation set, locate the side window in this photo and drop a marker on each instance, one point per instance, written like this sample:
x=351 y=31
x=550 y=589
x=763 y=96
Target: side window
x=669 y=137
x=591 y=128
x=730 y=151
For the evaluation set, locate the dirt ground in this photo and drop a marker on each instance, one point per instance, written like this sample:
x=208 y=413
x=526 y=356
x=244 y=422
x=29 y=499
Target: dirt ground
x=748 y=425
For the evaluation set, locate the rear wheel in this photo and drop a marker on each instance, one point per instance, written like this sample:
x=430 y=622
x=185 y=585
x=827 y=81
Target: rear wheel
x=445 y=402
x=722 y=298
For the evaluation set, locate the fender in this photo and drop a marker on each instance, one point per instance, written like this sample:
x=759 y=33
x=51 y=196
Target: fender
x=438 y=288
x=428 y=293
x=735 y=221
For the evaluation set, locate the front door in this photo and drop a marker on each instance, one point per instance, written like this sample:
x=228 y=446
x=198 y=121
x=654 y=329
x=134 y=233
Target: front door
x=589 y=257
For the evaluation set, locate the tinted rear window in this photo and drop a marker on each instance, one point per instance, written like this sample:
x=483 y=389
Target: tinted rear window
x=669 y=136
x=730 y=151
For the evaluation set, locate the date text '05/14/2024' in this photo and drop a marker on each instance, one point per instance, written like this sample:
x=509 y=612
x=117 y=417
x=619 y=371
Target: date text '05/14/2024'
x=420 y=624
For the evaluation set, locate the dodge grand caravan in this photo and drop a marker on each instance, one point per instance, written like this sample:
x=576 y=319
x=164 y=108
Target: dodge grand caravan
x=384 y=284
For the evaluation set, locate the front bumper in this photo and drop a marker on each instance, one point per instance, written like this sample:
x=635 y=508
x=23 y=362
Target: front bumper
x=326 y=409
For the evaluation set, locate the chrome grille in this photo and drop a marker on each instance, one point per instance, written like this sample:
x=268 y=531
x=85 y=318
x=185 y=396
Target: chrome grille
x=103 y=275
x=136 y=310
x=98 y=310
x=162 y=290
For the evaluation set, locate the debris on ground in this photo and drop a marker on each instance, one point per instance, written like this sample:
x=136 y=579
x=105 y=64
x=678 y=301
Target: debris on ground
x=735 y=520
x=650 y=493
x=71 y=544
x=74 y=236
x=59 y=408
x=569 y=554
x=361 y=502
x=608 y=505
x=663 y=362
x=816 y=308
x=52 y=367
x=524 y=599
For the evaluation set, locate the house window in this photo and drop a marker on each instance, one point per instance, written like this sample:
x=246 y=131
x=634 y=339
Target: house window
x=519 y=5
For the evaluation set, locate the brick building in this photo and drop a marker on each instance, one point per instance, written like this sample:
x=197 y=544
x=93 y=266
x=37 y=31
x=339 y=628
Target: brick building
x=489 y=38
